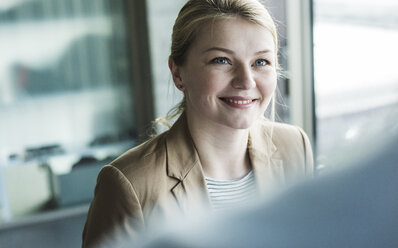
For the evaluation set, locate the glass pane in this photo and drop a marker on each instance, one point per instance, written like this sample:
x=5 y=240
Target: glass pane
x=356 y=76
x=161 y=17
x=65 y=100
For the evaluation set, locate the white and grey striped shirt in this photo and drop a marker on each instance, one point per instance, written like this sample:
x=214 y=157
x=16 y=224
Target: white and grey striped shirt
x=226 y=194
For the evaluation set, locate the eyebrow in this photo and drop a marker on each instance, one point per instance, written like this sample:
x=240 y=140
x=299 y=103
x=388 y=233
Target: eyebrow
x=232 y=52
x=264 y=51
x=219 y=49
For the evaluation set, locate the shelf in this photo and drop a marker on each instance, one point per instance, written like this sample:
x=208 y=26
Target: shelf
x=48 y=216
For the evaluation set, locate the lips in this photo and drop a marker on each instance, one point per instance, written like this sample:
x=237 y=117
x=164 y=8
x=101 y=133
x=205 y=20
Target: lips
x=238 y=101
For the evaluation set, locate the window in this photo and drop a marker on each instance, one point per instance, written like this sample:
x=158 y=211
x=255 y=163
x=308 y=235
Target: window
x=161 y=17
x=66 y=100
x=356 y=79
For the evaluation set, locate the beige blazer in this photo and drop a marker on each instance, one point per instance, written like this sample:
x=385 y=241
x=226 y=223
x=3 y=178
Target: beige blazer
x=163 y=176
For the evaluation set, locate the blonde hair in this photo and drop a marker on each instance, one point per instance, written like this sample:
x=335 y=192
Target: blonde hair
x=197 y=13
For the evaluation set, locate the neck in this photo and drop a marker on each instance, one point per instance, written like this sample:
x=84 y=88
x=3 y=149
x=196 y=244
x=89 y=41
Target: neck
x=222 y=150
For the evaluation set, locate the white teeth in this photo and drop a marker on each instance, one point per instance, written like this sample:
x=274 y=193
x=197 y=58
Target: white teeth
x=239 y=102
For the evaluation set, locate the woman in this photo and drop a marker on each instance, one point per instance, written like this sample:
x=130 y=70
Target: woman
x=224 y=59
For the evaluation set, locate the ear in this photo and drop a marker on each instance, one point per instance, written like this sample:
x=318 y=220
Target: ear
x=176 y=74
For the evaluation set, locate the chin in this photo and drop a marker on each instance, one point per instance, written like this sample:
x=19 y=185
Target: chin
x=244 y=124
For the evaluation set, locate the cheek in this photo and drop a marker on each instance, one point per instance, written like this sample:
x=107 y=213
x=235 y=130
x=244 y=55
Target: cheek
x=198 y=91
x=268 y=85
x=205 y=84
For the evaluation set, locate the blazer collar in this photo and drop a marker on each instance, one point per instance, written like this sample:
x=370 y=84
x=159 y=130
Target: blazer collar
x=181 y=153
x=184 y=165
x=268 y=170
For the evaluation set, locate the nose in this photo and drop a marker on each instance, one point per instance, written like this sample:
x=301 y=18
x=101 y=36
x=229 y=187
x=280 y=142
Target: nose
x=243 y=78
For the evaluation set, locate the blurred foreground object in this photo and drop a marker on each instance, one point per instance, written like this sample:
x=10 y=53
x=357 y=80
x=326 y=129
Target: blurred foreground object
x=356 y=207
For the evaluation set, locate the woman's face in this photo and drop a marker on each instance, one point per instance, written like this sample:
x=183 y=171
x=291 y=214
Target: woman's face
x=229 y=73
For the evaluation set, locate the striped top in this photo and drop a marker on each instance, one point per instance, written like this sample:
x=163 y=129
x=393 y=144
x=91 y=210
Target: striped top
x=226 y=194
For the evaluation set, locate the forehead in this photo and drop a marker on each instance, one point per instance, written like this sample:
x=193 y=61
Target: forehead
x=234 y=33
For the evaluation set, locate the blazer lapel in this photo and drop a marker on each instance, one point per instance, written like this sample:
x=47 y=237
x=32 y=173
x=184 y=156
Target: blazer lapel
x=183 y=164
x=191 y=192
x=268 y=170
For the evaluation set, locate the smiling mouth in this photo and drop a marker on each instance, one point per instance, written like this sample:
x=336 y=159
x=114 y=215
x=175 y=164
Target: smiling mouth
x=238 y=101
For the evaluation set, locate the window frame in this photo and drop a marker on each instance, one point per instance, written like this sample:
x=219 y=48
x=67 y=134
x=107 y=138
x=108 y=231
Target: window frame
x=299 y=18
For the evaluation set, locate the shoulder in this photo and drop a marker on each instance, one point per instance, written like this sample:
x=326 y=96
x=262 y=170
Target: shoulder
x=289 y=135
x=144 y=154
x=134 y=167
x=290 y=143
x=281 y=133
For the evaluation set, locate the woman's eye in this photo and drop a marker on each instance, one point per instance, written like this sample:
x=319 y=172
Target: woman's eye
x=220 y=60
x=260 y=62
